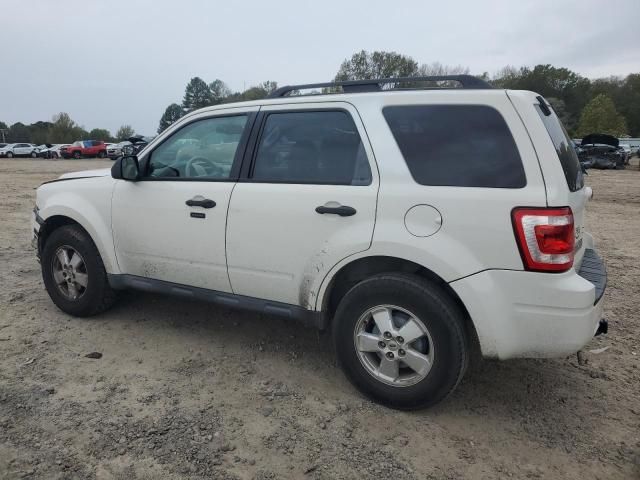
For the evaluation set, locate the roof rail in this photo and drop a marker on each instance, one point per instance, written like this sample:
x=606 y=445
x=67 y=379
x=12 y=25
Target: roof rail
x=375 y=85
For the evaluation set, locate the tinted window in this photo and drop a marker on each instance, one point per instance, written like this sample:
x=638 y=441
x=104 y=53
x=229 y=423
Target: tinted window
x=456 y=145
x=203 y=149
x=321 y=147
x=564 y=147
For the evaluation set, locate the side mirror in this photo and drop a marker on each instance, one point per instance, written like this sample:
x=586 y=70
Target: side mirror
x=126 y=168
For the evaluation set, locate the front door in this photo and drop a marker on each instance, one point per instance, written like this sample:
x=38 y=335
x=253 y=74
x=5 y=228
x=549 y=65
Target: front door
x=171 y=224
x=307 y=201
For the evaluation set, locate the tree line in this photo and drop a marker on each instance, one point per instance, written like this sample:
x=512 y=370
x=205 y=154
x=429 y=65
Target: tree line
x=61 y=129
x=604 y=105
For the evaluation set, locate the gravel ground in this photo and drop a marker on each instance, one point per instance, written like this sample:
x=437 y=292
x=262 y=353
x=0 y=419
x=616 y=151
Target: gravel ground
x=189 y=390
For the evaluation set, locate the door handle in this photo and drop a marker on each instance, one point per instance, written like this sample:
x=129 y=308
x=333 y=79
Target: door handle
x=200 y=202
x=342 y=210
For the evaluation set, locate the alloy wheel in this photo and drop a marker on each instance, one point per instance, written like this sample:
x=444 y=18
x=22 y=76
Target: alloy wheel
x=69 y=272
x=393 y=345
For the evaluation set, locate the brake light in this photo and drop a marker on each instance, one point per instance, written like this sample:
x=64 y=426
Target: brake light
x=545 y=237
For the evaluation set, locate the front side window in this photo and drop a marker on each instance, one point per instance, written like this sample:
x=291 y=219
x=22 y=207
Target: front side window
x=456 y=145
x=202 y=149
x=318 y=147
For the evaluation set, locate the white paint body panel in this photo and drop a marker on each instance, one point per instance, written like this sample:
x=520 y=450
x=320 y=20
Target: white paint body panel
x=156 y=237
x=278 y=246
x=88 y=202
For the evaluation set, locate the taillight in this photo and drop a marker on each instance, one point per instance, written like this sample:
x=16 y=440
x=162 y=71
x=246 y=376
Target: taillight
x=545 y=237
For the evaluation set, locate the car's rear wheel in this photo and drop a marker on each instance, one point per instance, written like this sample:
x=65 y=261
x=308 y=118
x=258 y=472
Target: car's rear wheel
x=401 y=340
x=73 y=273
x=76 y=155
x=9 y=154
x=101 y=154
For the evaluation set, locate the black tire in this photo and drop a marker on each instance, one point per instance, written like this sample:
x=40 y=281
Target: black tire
x=101 y=154
x=77 y=155
x=98 y=296
x=9 y=154
x=34 y=154
x=439 y=313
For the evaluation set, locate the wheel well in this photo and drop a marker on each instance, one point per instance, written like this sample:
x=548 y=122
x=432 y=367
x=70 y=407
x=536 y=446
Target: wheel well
x=50 y=224
x=356 y=271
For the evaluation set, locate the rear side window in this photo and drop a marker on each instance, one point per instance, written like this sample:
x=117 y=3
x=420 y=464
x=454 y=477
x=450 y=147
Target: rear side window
x=564 y=148
x=456 y=145
x=318 y=147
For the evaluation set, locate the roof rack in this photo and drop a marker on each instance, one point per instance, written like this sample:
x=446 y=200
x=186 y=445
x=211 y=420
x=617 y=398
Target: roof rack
x=375 y=85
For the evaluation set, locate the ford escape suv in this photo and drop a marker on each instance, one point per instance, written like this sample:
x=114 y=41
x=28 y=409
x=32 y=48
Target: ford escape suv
x=420 y=226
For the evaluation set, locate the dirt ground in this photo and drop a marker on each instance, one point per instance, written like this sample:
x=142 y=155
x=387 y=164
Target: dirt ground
x=190 y=390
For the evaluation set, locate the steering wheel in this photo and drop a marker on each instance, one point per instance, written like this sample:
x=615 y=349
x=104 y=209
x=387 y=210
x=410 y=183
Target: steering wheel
x=202 y=167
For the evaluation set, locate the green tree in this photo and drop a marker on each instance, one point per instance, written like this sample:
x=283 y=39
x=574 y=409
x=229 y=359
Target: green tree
x=100 y=134
x=629 y=105
x=171 y=114
x=39 y=132
x=364 y=65
x=19 y=132
x=219 y=91
x=65 y=130
x=550 y=82
x=124 y=132
x=197 y=94
x=4 y=130
x=600 y=116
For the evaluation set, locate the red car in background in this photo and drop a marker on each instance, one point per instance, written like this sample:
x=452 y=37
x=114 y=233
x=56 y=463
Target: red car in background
x=85 y=148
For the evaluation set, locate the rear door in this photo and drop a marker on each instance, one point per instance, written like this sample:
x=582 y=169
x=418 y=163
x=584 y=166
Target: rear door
x=22 y=149
x=306 y=200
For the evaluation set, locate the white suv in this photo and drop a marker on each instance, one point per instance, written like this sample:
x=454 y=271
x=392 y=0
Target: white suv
x=420 y=225
x=19 y=150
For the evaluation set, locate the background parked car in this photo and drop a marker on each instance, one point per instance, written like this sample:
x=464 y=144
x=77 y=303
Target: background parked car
x=602 y=151
x=138 y=142
x=52 y=151
x=115 y=150
x=85 y=148
x=19 y=150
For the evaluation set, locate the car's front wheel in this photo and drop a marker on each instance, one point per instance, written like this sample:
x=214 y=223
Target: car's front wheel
x=401 y=340
x=101 y=154
x=9 y=154
x=73 y=273
x=34 y=154
x=76 y=155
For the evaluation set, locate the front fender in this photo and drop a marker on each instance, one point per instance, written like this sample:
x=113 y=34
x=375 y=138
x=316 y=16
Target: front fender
x=87 y=202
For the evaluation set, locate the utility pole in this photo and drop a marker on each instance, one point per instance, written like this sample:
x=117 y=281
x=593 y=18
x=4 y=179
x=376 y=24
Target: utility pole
x=3 y=130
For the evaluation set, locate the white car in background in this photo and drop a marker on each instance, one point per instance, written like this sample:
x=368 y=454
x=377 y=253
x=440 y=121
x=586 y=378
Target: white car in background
x=115 y=150
x=52 y=151
x=19 y=150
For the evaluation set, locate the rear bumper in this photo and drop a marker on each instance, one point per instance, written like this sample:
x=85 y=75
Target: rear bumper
x=536 y=315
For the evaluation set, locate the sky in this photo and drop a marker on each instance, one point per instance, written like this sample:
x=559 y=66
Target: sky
x=114 y=62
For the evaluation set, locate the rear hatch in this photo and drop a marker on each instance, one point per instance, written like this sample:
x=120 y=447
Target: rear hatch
x=571 y=186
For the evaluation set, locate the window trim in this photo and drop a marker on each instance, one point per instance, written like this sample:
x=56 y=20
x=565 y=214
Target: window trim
x=249 y=160
x=234 y=174
x=492 y=107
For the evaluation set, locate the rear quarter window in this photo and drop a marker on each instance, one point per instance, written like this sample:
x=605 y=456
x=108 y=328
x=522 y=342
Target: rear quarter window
x=564 y=148
x=456 y=145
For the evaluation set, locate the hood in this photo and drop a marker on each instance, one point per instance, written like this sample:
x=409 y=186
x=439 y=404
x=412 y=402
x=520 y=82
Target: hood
x=101 y=172
x=601 y=138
